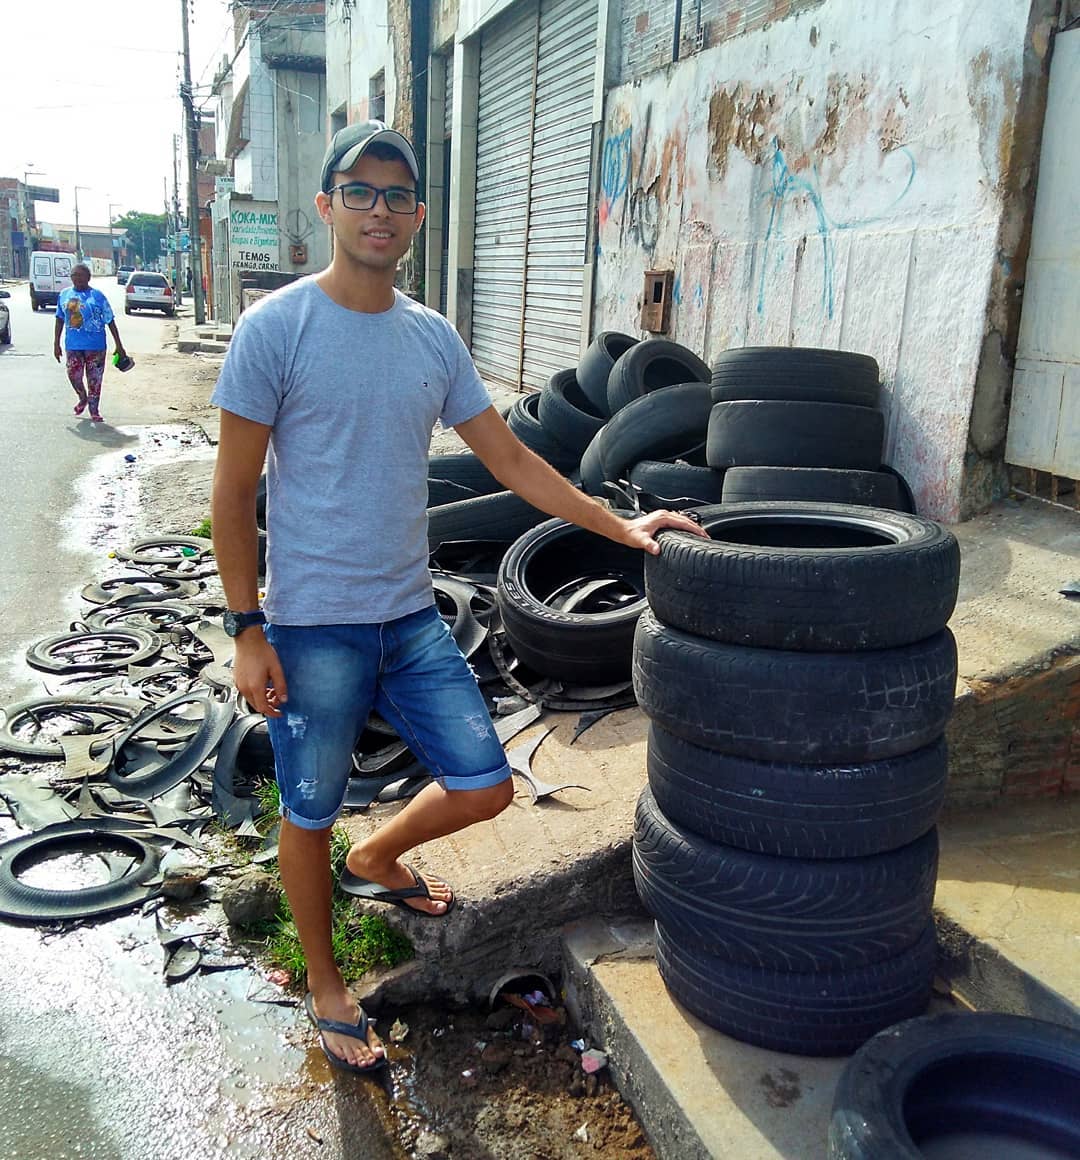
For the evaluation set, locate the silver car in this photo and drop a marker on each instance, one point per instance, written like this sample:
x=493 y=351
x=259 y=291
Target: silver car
x=5 y=320
x=147 y=290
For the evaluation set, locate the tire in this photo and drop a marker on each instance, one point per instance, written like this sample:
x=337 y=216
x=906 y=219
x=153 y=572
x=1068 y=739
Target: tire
x=806 y=708
x=807 y=373
x=442 y=491
x=806 y=577
x=466 y=469
x=86 y=836
x=260 y=502
x=792 y=914
x=907 y=497
x=5 y=336
x=668 y=423
x=127 y=309
x=797 y=811
x=523 y=419
x=104 y=715
x=567 y=414
x=33 y=301
x=676 y=481
x=816 y=484
x=583 y=646
x=649 y=365
x=826 y=1013
x=131 y=646
x=984 y=1073
x=500 y=517
x=594 y=368
x=591 y=467
x=789 y=434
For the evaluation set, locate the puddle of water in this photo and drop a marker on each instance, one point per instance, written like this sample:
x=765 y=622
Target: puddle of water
x=77 y=870
x=988 y=1146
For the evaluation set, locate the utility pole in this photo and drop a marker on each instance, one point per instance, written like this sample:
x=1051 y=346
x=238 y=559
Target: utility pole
x=194 y=233
x=78 y=236
x=177 y=250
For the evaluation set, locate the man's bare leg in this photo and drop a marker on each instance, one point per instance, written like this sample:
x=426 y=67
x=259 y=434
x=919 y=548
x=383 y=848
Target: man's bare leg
x=304 y=861
x=433 y=813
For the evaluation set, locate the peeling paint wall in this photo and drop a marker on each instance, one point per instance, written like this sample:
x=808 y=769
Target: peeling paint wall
x=845 y=177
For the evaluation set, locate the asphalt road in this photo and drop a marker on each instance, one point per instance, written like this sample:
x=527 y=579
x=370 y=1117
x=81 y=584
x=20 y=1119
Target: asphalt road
x=98 y=1058
x=44 y=450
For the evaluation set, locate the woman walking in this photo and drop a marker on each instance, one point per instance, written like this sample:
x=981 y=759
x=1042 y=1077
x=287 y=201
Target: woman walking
x=81 y=317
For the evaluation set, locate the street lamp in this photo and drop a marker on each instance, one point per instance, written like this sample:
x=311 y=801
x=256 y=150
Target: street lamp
x=78 y=237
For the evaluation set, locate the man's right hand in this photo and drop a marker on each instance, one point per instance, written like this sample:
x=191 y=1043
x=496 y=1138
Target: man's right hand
x=258 y=674
x=57 y=354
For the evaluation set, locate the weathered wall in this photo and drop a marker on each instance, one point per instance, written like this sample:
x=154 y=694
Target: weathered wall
x=357 y=47
x=836 y=178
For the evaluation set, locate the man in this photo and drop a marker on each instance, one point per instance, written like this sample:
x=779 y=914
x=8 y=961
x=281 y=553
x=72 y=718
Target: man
x=343 y=378
x=84 y=313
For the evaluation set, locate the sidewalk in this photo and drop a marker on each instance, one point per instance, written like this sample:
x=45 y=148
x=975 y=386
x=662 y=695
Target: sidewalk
x=1008 y=911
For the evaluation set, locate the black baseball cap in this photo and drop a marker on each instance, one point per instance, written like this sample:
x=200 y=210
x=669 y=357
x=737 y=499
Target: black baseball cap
x=349 y=144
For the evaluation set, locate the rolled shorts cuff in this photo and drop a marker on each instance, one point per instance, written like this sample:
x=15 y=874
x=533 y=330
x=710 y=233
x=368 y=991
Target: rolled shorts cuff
x=477 y=780
x=302 y=823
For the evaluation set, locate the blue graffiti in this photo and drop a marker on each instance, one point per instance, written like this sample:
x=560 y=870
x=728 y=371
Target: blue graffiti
x=785 y=185
x=615 y=167
x=676 y=290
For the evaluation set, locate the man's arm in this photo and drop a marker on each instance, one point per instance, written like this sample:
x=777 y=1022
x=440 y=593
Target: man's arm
x=524 y=472
x=57 y=333
x=241 y=452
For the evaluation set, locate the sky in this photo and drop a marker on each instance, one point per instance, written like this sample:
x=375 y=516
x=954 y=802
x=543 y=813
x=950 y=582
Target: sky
x=90 y=97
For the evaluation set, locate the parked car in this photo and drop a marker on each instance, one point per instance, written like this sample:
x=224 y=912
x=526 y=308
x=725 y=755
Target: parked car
x=5 y=319
x=123 y=274
x=50 y=272
x=149 y=291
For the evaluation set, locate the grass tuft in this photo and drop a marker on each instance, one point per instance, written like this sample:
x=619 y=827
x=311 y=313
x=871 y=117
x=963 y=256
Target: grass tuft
x=202 y=530
x=359 y=941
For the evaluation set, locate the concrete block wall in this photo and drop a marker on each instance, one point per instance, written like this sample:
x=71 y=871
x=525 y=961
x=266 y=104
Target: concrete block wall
x=1017 y=738
x=647 y=32
x=838 y=177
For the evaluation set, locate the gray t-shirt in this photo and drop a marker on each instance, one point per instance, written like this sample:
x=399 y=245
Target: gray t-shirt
x=352 y=399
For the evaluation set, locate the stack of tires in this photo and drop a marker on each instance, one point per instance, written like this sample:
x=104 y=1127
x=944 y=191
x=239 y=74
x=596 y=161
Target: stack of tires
x=798 y=677
x=798 y=423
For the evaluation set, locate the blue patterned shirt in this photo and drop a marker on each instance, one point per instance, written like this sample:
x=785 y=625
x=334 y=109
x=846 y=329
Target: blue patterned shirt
x=86 y=313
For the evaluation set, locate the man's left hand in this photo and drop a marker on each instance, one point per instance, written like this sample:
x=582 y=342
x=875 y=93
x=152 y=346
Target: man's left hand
x=641 y=532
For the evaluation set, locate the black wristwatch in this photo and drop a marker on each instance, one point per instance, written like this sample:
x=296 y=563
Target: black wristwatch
x=234 y=623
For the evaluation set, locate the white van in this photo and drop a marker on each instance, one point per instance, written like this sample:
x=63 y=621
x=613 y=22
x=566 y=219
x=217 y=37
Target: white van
x=50 y=272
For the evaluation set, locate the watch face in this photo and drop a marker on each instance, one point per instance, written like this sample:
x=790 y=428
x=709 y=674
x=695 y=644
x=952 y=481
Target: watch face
x=230 y=621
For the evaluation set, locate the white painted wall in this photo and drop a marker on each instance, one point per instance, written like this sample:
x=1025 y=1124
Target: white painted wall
x=830 y=180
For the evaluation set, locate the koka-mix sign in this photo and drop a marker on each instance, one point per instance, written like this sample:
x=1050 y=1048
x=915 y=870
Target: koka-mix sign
x=254 y=241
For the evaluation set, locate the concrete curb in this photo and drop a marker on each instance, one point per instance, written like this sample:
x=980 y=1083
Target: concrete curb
x=986 y=980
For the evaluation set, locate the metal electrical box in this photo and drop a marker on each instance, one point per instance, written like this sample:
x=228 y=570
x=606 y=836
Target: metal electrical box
x=656 y=302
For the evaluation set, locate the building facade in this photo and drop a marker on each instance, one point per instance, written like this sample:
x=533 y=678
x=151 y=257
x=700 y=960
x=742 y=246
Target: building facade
x=271 y=129
x=811 y=172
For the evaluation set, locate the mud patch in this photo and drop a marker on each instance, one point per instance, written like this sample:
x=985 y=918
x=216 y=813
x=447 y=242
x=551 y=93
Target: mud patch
x=471 y=1080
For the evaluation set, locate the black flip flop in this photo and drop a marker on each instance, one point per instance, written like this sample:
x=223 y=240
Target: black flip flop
x=357 y=1030
x=373 y=892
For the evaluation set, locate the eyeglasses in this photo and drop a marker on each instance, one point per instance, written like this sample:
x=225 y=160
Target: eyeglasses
x=359 y=195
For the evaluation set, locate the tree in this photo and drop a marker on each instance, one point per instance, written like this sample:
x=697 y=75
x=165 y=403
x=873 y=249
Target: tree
x=143 y=233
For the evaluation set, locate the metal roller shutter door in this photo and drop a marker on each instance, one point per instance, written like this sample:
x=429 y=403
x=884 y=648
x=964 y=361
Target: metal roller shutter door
x=503 y=137
x=559 y=192
x=448 y=124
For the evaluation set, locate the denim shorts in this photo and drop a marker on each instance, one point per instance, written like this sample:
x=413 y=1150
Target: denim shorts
x=411 y=672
